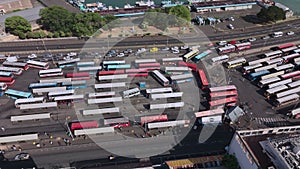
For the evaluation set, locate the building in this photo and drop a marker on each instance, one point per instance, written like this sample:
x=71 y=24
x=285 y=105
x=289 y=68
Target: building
x=266 y=148
x=222 y=5
x=288 y=12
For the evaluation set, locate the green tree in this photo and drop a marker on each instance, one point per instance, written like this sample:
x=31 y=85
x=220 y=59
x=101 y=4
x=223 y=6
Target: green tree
x=17 y=24
x=29 y=35
x=183 y=14
x=272 y=13
x=50 y=35
x=230 y=161
x=56 y=34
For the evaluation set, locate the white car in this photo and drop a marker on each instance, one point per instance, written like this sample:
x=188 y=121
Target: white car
x=32 y=56
x=121 y=55
x=222 y=43
x=290 y=33
x=72 y=54
x=175 y=48
x=141 y=50
x=230 y=26
x=252 y=39
x=184 y=47
x=22 y=156
x=165 y=49
x=175 y=51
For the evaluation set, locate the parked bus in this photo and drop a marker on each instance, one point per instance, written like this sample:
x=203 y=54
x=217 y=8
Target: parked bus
x=50 y=106
x=268 y=67
x=220 y=59
x=290 y=99
x=265 y=82
x=193 y=66
x=42 y=91
x=258 y=61
x=15 y=94
x=158 y=90
x=102 y=94
x=243 y=46
x=296 y=51
x=256 y=75
x=111 y=72
x=222 y=88
x=78 y=76
x=276 y=74
x=294 y=84
x=203 y=79
x=53 y=94
x=3 y=86
x=290 y=74
x=176 y=70
x=235 y=63
x=155 y=118
x=15 y=71
x=286 y=68
x=69 y=99
x=279 y=83
x=215 y=95
x=115 y=67
x=117 y=122
x=182 y=78
x=55 y=80
x=285 y=46
x=6 y=74
x=277 y=61
x=85 y=64
x=202 y=55
x=41 y=85
x=83 y=125
x=8 y=80
x=138 y=61
x=111 y=110
x=289 y=49
x=166 y=95
x=190 y=55
x=287 y=92
x=249 y=69
x=30 y=117
x=149 y=66
x=67 y=63
x=131 y=92
x=288 y=58
x=37 y=64
x=270 y=92
x=137 y=72
x=21 y=65
x=114 y=62
x=32 y=100
x=90 y=69
x=160 y=78
x=80 y=84
x=223 y=102
x=226 y=49
x=113 y=77
x=51 y=73
x=273 y=54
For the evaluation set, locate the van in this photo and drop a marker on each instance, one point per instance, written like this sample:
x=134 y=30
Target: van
x=277 y=34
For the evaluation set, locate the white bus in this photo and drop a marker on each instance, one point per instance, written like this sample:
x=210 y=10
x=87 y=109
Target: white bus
x=289 y=49
x=187 y=77
x=21 y=65
x=167 y=124
x=171 y=59
x=32 y=100
x=295 y=112
x=268 y=67
x=18 y=138
x=288 y=92
x=166 y=95
x=258 y=61
x=159 y=90
x=293 y=98
x=220 y=59
x=282 y=82
x=30 y=117
x=160 y=77
x=166 y=105
x=38 y=106
x=105 y=100
x=102 y=94
x=15 y=71
x=89 y=69
x=287 y=67
x=67 y=63
x=131 y=92
x=110 y=85
x=235 y=63
x=273 y=54
x=290 y=57
x=3 y=86
x=113 y=77
x=51 y=72
x=41 y=91
x=94 y=131
x=274 y=90
x=277 y=61
x=272 y=75
x=294 y=84
x=54 y=80
x=101 y=111
x=248 y=69
x=37 y=64
x=53 y=94
x=68 y=98
x=138 y=61
x=265 y=82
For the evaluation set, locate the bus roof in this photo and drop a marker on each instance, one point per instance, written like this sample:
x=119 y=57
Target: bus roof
x=18 y=138
x=104 y=100
x=167 y=124
x=109 y=85
x=38 y=105
x=282 y=82
x=223 y=94
x=171 y=59
x=91 y=131
x=54 y=80
x=69 y=97
x=59 y=93
x=288 y=92
x=89 y=68
x=276 y=89
x=113 y=77
x=28 y=100
x=222 y=101
x=294 y=84
x=101 y=111
x=287 y=98
x=109 y=62
x=222 y=88
x=115 y=120
x=37 y=63
x=166 y=105
x=30 y=117
x=166 y=95
x=209 y=113
x=159 y=90
x=50 y=71
x=102 y=94
x=182 y=76
x=283 y=67
x=19 y=93
x=138 y=61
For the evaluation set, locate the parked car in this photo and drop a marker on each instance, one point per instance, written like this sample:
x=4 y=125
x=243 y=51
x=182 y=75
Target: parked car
x=22 y=156
x=165 y=49
x=175 y=48
x=243 y=40
x=32 y=56
x=184 y=47
x=222 y=43
x=252 y=39
x=290 y=33
x=265 y=37
x=175 y=51
x=233 y=42
x=121 y=55
x=154 y=49
x=230 y=26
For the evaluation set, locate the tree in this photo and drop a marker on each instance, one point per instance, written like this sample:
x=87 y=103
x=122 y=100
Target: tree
x=182 y=12
x=16 y=25
x=230 y=162
x=272 y=13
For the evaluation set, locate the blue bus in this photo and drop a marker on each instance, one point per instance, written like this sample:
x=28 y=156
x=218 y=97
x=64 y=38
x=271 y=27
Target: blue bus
x=254 y=76
x=15 y=94
x=80 y=84
x=115 y=67
x=201 y=55
x=6 y=74
x=85 y=64
x=42 y=85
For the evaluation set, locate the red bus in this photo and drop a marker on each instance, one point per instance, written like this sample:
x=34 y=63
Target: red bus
x=84 y=125
x=203 y=79
x=149 y=66
x=78 y=76
x=223 y=94
x=111 y=72
x=158 y=118
x=137 y=72
x=8 y=80
x=287 y=45
x=243 y=46
x=193 y=66
x=290 y=75
x=223 y=101
x=117 y=122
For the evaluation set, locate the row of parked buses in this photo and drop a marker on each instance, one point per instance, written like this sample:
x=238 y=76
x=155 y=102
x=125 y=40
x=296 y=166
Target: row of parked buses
x=233 y=48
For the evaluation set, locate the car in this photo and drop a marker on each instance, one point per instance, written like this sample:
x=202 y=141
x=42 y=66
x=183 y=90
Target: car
x=233 y=42
x=165 y=49
x=175 y=48
x=265 y=37
x=252 y=39
x=32 y=56
x=243 y=40
x=175 y=51
x=230 y=26
x=141 y=50
x=184 y=47
x=67 y=58
x=72 y=54
x=154 y=49
x=222 y=43
x=121 y=55
x=22 y=156
x=290 y=33
x=231 y=18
